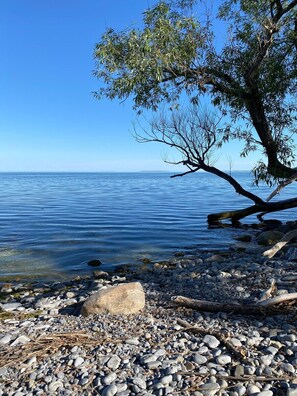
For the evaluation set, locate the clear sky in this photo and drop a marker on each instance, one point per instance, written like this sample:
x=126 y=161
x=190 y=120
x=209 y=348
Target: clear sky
x=49 y=120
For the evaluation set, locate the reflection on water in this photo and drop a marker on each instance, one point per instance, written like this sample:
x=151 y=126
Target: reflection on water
x=56 y=223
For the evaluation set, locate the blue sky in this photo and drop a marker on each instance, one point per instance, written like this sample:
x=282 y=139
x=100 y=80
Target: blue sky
x=49 y=119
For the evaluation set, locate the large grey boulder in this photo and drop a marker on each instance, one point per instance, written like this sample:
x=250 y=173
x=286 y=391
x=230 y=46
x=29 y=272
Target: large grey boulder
x=269 y=237
x=127 y=298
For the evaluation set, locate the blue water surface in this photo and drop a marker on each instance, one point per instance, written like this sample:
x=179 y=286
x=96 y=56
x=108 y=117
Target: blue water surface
x=52 y=224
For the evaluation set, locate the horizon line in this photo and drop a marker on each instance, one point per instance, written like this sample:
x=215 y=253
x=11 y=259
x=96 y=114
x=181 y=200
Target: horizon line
x=111 y=171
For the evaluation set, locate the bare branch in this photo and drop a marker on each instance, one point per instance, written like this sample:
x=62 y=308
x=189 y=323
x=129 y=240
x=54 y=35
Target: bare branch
x=282 y=185
x=265 y=44
x=185 y=173
x=194 y=133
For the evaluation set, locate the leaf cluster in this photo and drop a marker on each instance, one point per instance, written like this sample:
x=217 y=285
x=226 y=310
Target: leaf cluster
x=252 y=78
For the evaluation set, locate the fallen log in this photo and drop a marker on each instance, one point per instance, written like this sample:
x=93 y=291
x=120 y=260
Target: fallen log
x=266 y=207
x=265 y=308
x=279 y=245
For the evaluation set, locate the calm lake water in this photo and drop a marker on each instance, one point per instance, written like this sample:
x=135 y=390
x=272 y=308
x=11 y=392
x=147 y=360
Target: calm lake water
x=53 y=224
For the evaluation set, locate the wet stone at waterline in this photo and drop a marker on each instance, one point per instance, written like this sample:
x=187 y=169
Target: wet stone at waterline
x=94 y=263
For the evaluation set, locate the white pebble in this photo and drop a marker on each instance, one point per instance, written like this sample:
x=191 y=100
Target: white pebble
x=78 y=361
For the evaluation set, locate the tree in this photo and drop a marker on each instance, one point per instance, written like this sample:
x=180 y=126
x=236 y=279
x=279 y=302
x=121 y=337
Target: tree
x=251 y=81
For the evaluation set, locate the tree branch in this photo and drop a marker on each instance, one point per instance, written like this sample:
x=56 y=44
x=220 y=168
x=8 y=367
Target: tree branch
x=267 y=207
x=282 y=11
x=282 y=185
x=185 y=173
x=238 y=188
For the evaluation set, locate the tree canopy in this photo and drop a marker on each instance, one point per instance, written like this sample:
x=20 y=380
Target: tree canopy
x=250 y=76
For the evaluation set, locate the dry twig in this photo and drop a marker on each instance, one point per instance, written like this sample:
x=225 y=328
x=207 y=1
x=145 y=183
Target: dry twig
x=46 y=345
x=238 y=353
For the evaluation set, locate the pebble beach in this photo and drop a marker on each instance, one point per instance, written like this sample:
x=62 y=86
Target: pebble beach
x=48 y=348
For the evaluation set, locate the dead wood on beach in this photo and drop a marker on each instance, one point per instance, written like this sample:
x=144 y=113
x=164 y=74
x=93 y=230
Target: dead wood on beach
x=265 y=308
x=279 y=245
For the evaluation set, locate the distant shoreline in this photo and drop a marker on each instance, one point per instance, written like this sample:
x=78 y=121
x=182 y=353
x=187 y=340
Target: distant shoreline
x=109 y=172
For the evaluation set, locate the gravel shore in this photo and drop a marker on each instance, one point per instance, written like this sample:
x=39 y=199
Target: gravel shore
x=47 y=348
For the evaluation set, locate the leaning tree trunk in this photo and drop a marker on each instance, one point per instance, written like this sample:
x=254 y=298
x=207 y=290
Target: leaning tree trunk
x=262 y=208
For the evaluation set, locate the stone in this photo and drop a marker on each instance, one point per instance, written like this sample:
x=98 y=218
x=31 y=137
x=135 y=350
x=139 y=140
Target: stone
x=223 y=359
x=153 y=365
x=239 y=371
x=6 y=339
x=94 y=263
x=214 y=258
x=108 y=379
x=8 y=307
x=6 y=288
x=110 y=390
x=122 y=387
x=3 y=372
x=209 y=389
x=21 y=340
x=139 y=382
x=78 y=361
x=244 y=238
x=292 y=391
x=132 y=341
x=160 y=352
x=100 y=275
x=271 y=350
x=240 y=389
x=211 y=341
x=236 y=342
x=288 y=337
x=199 y=359
x=269 y=237
x=291 y=254
x=166 y=379
x=124 y=299
x=114 y=362
x=70 y=294
x=252 y=389
x=287 y=367
x=148 y=358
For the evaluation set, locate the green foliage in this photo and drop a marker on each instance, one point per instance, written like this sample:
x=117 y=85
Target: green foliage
x=252 y=77
x=136 y=62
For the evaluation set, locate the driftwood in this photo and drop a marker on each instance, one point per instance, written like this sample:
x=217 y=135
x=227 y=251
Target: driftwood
x=279 y=299
x=267 y=294
x=265 y=308
x=279 y=245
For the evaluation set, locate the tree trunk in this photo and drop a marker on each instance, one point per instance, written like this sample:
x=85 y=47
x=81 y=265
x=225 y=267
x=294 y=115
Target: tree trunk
x=266 y=207
x=261 y=125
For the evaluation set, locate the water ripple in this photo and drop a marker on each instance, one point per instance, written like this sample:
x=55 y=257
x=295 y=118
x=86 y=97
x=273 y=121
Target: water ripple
x=51 y=223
